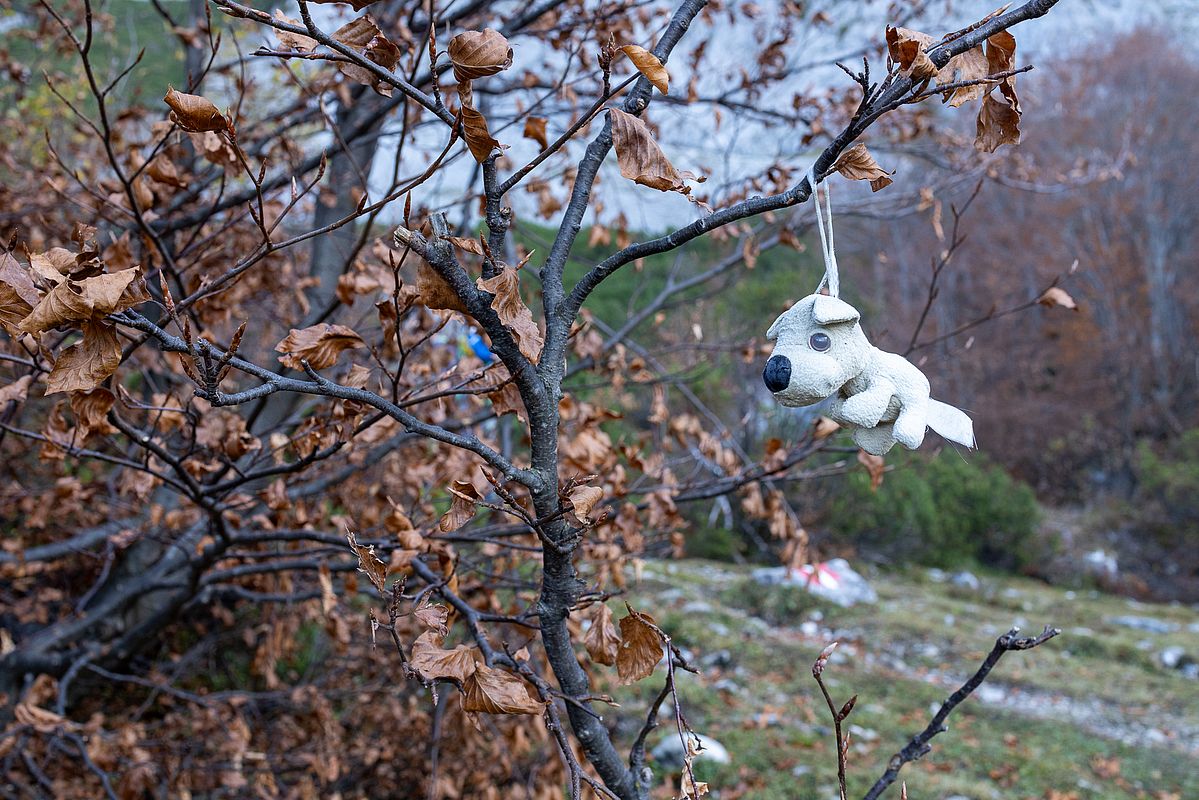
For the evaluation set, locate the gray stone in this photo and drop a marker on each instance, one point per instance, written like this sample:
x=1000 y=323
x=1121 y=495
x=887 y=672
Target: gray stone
x=669 y=753
x=967 y=580
x=990 y=694
x=1172 y=657
x=1101 y=562
x=851 y=587
x=1140 y=623
x=717 y=659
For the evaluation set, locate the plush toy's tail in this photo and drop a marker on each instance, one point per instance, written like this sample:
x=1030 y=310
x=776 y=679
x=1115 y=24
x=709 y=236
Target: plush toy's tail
x=950 y=422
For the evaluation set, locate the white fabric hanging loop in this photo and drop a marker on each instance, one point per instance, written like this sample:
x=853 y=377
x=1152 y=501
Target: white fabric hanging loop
x=832 y=278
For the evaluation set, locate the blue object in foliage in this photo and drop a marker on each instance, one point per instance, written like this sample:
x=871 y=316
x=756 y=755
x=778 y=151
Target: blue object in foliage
x=479 y=347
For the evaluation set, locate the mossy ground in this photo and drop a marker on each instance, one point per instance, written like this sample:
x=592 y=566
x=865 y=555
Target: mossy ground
x=1092 y=714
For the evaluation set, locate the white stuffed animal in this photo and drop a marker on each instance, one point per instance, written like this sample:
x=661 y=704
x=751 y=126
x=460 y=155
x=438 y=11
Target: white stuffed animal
x=820 y=351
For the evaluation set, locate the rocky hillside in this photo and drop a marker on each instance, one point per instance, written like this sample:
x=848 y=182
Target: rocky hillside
x=1110 y=709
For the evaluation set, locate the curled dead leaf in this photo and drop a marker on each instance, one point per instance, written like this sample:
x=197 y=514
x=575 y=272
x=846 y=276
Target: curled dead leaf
x=493 y=691
x=583 y=499
x=857 y=164
x=648 y=65
x=875 y=465
x=998 y=124
x=512 y=311
x=368 y=563
x=434 y=663
x=89 y=362
x=462 y=509
x=535 y=130
x=433 y=292
x=601 y=639
x=641 y=159
x=194 y=113
x=824 y=428
x=640 y=647
x=72 y=302
x=478 y=138
x=319 y=345
x=477 y=54
x=907 y=49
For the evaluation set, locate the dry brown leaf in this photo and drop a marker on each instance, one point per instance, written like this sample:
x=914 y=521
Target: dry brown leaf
x=1001 y=54
x=583 y=499
x=535 y=130
x=295 y=41
x=907 y=49
x=601 y=639
x=507 y=400
x=368 y=563
x=476 y=54
x=824 y=428
x=640 y=647
x=857 y=164
x=462 y=509
x=875 y=465
x=91 y=412
x=16 y=391
x=17 y=278
x=470 y=245
x=512 y=311
x=319 y=345
x=998 y=124
x=968 y=66
x=433 y=291
x=432 y=617
x=640 y=158
x=364 y=36
x=689 y=789
x=13 y=309
x=194 y=113
x=493 y=691
x=478 y=138
x=648 y=65
x=86 y=364
x=72 y=302
x=433 y=663
x=1056 y=296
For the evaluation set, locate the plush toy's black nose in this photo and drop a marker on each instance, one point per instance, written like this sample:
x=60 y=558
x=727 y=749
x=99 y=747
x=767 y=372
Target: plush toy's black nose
x=777 y=373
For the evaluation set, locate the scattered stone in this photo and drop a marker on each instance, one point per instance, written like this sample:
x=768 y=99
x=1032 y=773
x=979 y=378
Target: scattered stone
x=1172 y=657
x=937 y=575
x=727 y=685
x=718 y=629
x=990 y=694
x=809 y=628
x=834 y=581
x=1144 y=623
x=863 y=734
x=800 y=771
x=669 y=752
x=717 y=659
x=697 y=607
x=967 y=580
x=1102 y=563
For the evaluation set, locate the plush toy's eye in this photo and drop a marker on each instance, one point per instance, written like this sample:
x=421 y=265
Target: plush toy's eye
x=820 y=342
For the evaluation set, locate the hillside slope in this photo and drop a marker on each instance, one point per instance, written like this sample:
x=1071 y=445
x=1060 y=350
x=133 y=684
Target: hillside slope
x=1091 y=714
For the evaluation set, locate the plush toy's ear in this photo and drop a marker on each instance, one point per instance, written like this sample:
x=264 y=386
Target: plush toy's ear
x=828 y=310
x=773 y=333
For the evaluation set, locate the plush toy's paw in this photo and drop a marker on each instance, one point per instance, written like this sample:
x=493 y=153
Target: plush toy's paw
x=909 y=430
x=876 y=441
x=862 y=410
